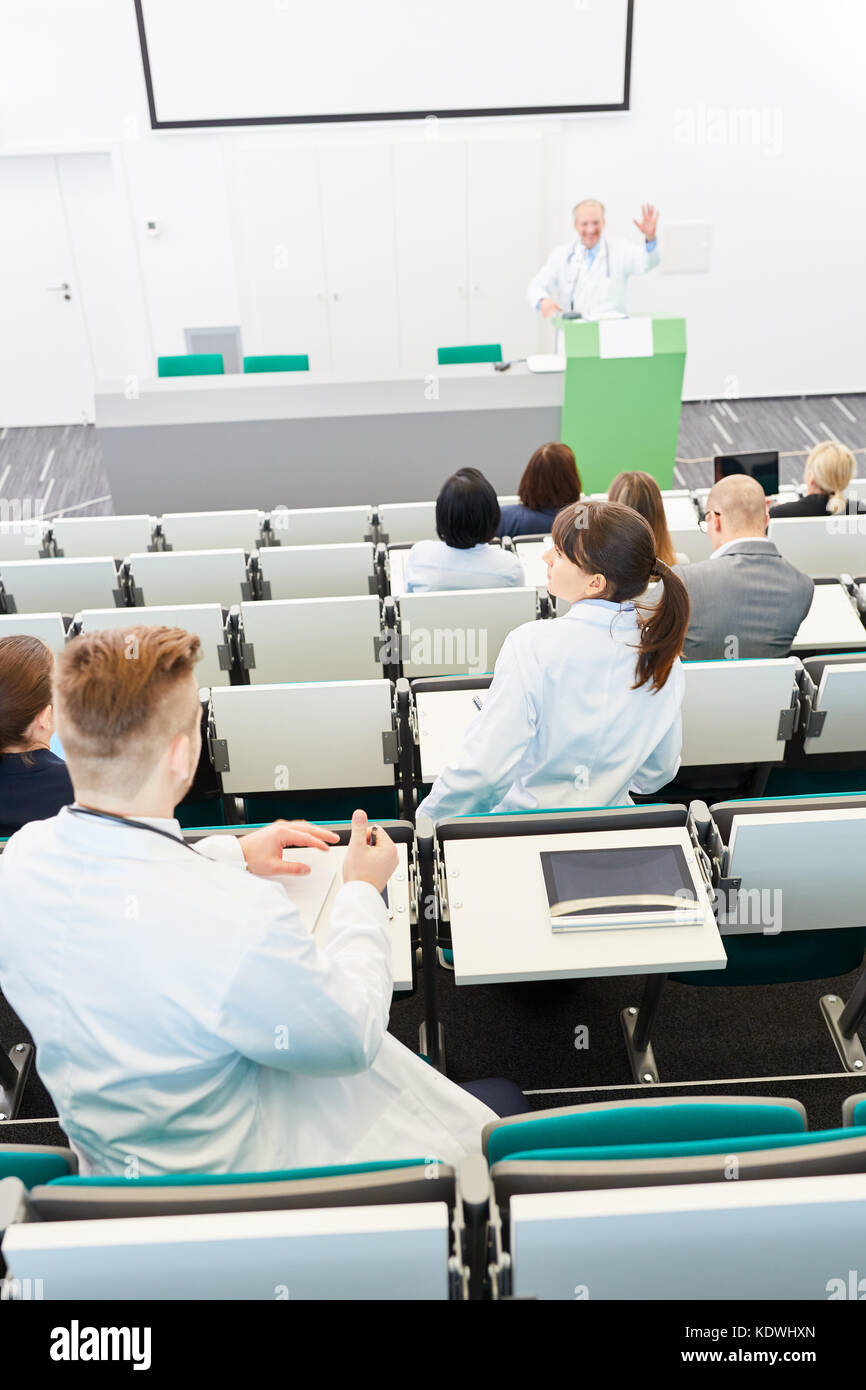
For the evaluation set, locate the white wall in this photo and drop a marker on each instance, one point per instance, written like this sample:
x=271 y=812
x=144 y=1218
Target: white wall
x=778 y=312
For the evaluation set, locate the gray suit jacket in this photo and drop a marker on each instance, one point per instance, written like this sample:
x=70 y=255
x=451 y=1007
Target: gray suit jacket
x=749 y=594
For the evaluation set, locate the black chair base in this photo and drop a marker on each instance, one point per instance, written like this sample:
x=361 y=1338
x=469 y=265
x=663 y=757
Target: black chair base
x=14 y=1070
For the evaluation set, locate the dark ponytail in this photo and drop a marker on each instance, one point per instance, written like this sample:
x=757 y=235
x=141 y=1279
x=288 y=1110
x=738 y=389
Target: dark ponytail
x=613 y=540
x=663 y=629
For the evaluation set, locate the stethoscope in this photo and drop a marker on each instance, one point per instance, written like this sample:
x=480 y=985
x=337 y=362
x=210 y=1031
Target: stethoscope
x=134 y=824
x=572 y=256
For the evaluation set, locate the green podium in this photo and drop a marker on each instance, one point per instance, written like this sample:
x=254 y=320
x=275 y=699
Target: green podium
x=623 y=394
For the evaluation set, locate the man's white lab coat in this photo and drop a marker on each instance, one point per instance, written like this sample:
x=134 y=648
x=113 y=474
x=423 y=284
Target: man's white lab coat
x=596 y=288
x=186 y=1021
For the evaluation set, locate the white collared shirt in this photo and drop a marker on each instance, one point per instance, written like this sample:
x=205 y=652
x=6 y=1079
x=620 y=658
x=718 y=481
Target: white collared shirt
x=752 y=540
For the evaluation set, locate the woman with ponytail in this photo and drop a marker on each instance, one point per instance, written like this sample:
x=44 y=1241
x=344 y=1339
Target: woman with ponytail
x=829 y=470
x=584 y=708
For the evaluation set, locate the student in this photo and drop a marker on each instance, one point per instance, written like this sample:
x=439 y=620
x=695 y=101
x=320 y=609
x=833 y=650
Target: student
x=641 y=491
x=746 y=599
x=34 y=782
x=829 y=470
x=186 y=1020
x=586 y=707
x=550 y=482
x=467 y=517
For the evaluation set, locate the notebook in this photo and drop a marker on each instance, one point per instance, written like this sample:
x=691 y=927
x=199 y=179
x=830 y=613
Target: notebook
x=630 y=886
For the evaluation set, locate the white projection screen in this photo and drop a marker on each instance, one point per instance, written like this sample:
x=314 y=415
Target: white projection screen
x=255 y=62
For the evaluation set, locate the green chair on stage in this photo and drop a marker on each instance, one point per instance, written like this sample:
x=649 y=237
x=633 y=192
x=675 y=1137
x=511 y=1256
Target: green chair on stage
x=191 y=364
x=473 y=352
x=278 y=362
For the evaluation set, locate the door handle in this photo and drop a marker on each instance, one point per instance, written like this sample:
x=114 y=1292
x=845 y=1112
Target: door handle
x=60 y=289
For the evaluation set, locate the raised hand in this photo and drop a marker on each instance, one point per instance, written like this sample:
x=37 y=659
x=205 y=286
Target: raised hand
x=649 y=220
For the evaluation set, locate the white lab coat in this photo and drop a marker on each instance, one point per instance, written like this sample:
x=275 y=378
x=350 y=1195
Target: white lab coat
x=186 y=1020
x=594 y=289
x=433 y=565
x=560 y=725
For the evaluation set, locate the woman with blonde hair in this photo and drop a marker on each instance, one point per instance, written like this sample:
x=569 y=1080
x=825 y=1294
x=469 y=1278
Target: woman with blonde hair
x=829 y=470
x=642 y=492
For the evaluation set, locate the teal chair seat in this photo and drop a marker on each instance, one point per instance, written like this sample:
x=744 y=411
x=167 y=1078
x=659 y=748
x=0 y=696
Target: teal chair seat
x=742 y=1143
x=755 y=959
x=473 y=352
x=215 y=1179
x=278 y=362
x=592 y=1131
x=33 y=1164
x=191 y=364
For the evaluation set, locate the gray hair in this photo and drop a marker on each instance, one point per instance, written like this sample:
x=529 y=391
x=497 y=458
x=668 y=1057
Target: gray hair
x=588 y=202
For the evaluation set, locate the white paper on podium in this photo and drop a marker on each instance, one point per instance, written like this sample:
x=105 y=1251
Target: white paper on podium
x=625 y=338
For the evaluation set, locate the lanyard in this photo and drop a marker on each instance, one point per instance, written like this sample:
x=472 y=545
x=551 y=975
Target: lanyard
x=134 y=824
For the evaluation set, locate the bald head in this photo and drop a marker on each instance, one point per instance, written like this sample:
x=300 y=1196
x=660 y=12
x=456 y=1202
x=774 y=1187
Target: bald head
x=736 y=509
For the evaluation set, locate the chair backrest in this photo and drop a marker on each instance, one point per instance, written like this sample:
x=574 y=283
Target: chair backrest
x=48 y=627
x=821 y=545
x=798 y=871
x=278 y=362
x=191 y=364
x=22 y=540
x=404 y=523
x=473 y=352
x=839 y=710
x=460 y=632
x=59 y=586
x=786 y=1238
x=320 y=525
x=320 y=735
x=210 y=530
x=203 y=619
x=686 y=534
x=833 y=623
x=529 y=554
x=317 y=571
x=738 y=711
x=390 y=1252
x=312 y=639
x=188 y=576
x=101 y=535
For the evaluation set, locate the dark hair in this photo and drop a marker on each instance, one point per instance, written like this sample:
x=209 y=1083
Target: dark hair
x=642 y=492
x=467 y=510
x=550 y=479
x=25 y=686
x=611 y=539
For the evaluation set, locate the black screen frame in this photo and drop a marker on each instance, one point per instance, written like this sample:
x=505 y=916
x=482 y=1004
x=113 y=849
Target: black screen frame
x=548 y=871
x=344 y=118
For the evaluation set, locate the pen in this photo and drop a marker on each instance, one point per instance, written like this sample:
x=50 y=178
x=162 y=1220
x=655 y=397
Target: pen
x=476 y=702
x=372 y=836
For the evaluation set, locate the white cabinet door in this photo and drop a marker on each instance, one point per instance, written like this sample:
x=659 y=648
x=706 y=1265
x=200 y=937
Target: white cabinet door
x=277 y=228
x=47 y=376
x=430 y=222
x=360 y=258
x=506 y=184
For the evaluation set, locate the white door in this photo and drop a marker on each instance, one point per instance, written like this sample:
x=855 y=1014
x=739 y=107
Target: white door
x=47 y=373
x=506 y=198
x=277 y=229
x=430 y=220
x=360 y=258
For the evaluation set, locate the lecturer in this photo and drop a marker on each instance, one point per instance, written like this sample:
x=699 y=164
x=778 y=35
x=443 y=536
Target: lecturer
x=589 y=276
